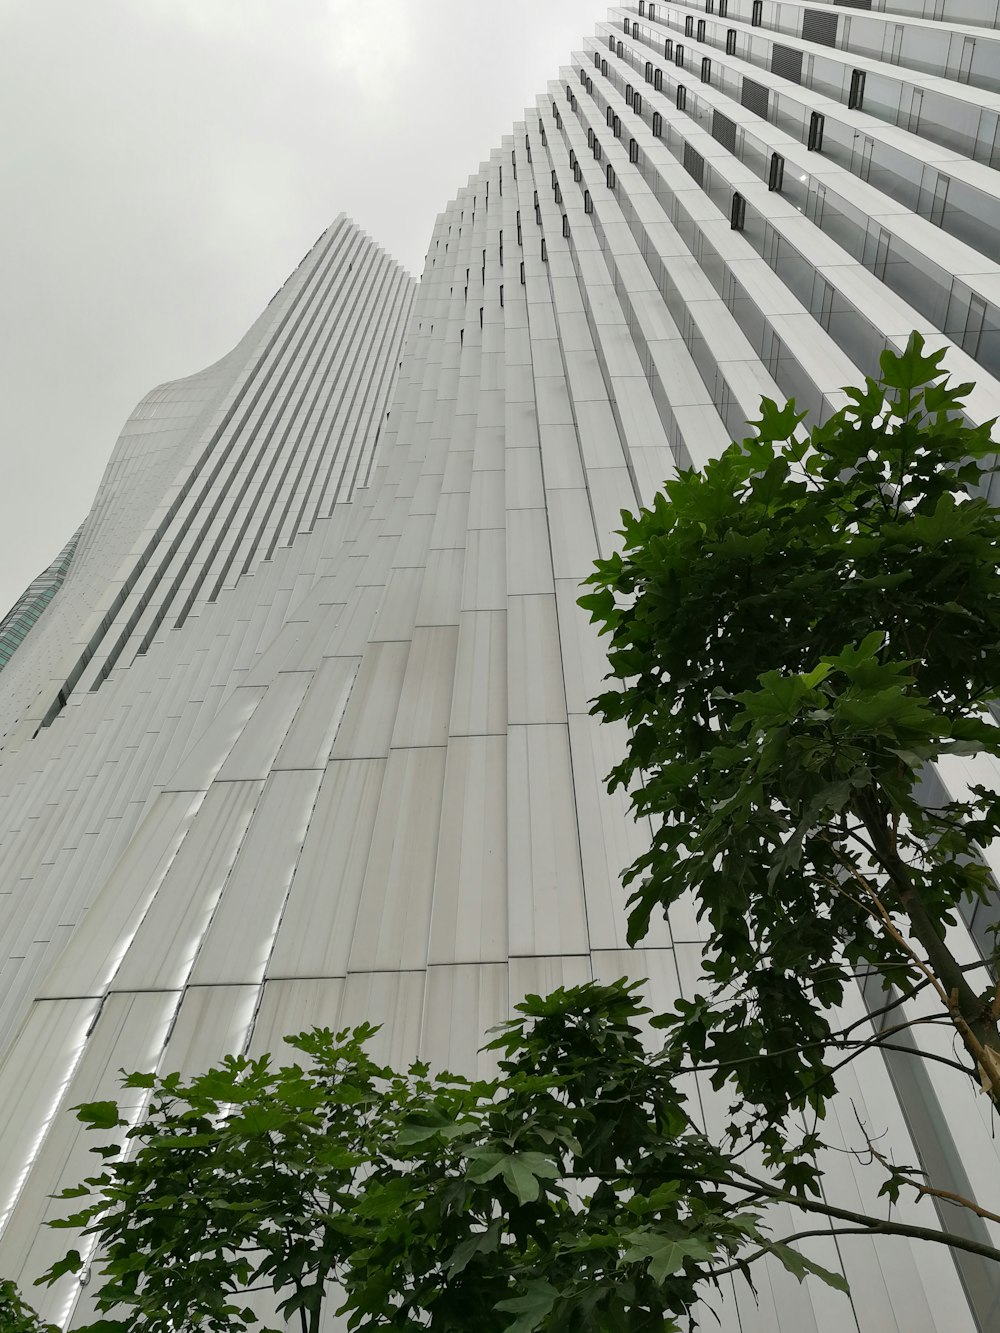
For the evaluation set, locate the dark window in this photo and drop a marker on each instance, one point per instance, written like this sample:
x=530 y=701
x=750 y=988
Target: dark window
x=480 y=316
x=610 y=176
x=815 y=141
x=754 y=96
x=583 y=77
x=706 y=70
x=854 y=4
x=617 y=127
x=724 y=130
x=642 y=8
x=629 y=94
x=598 y=150
x=694 y=164
x=628 y=28
x=668 y=49
x=519 y=241
x=633 y=151
x=652 y=12
x=723 y=9
x=689 y=26
x=658 y=80
x=657 y=124
x=856 y=97
x=569 y=94
x=701 y=30
x=565 y=225
x=637 y=105
x=590 y=84
x=522 y=272
x=501 y=296
x=757 y=13
x=649 y=71
x=709 y=6
x=545 y=252
x=610 y=116
x=604 y=68
x=620 y=50
x=577 y=173
x=786 y=62
x=611 y=45
x=555 y=178
x=597 y=61
x=590 y=137
x=682 y=97
x=819 y=25
x=679 y=55
x=730 y=41
x=776 y=173
x=738 y=213
x=588 y=203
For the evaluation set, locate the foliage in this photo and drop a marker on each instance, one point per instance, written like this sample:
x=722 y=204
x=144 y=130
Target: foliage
x=16 y=1316
x=795 y=633
x=574 y=1191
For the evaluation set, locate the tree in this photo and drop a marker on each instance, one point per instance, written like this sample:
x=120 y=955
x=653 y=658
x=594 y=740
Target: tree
x=574 y=1191
x=796 y=633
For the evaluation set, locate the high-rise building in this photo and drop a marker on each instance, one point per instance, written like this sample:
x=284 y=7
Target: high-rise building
x=300 y=730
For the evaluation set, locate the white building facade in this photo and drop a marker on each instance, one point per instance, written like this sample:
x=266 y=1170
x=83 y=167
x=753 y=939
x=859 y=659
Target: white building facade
x=304 y=736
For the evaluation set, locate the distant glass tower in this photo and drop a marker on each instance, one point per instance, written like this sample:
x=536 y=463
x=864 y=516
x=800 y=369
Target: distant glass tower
x=304 y=737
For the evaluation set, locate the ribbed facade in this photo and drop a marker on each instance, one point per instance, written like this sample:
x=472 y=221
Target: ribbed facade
x=304 y=737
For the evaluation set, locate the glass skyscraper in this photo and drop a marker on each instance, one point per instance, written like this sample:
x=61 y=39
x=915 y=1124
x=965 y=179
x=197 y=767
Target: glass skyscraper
x=296 y=729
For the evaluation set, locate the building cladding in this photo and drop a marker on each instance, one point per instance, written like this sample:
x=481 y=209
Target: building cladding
x=303 y=736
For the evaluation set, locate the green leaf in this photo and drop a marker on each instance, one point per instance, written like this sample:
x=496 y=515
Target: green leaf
x=531 y=1307
x=665 y=1254
x=797 y=1264
x=99 y=1115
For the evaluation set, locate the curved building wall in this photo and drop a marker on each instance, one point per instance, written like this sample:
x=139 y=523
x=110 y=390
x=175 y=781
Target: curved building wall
x=318 y=747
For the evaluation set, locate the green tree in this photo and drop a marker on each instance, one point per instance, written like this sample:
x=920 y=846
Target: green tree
x=795 y=634
x=573 y=1191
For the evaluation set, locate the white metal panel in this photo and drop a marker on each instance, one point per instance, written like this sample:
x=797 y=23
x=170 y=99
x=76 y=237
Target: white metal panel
x=238 y=940
x=479 y=701
x=469 y=907
x=314 y=728
x=160 y=955
x=394 y=914
x=546 y=913
x=461 y=1005
x=203 y=761
x=211 y=1023
x=258 y=743
x=425 y=699
x=89 y=960
x=394 y=1001
x=317 y=925
x=535 y=690
x=370 y=714
x=290 y=1007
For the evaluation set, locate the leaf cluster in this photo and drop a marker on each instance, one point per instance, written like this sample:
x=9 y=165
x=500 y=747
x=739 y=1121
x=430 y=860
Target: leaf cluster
x=574 y=1191
x=795 y=633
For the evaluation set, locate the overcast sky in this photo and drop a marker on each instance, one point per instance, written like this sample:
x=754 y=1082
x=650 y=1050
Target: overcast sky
x=164 y=165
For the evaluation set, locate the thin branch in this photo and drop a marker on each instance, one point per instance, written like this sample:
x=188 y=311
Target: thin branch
x=874 y=1225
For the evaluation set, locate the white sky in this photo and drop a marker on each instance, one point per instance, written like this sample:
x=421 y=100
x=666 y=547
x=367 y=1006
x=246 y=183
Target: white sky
x=164 y=165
